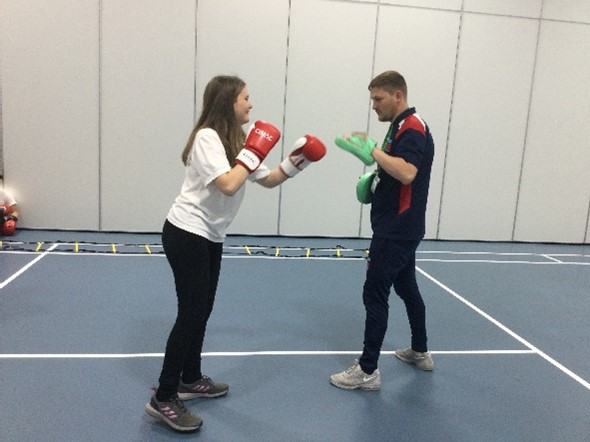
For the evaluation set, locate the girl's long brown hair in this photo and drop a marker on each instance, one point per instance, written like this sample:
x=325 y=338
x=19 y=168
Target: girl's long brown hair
x=218 y=114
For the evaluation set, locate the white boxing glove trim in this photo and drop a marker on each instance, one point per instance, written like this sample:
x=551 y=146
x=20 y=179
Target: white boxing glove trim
x=248 y=159
x=260 y=173
x=299 y=143
x=289 y=168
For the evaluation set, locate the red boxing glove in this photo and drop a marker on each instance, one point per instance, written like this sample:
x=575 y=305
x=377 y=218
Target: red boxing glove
x=308 y=149
x=8 y=227
x=259 y=142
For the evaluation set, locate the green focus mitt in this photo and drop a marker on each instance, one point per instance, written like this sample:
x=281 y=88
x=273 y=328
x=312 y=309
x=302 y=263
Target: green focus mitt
x=363 y=187
x=359 y=145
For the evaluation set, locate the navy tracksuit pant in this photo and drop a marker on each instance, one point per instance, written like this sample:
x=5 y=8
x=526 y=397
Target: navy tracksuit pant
x=391 y=263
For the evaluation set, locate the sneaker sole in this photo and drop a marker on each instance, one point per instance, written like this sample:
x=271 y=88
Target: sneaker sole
x=411 y=361
x=355 y=387
x=157 y=415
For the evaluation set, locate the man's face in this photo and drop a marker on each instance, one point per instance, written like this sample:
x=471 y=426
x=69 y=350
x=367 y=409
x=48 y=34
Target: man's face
x=386 y=105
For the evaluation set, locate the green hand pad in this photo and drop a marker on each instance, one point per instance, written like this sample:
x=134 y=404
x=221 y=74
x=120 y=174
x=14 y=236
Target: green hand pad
x=359 y=147
x=363 y=188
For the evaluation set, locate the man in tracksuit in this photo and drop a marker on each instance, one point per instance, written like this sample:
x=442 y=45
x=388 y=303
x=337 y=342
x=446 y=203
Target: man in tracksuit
x=398 y=211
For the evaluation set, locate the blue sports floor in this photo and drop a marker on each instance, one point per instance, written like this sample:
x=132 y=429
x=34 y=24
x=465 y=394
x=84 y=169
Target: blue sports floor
x=84 y=319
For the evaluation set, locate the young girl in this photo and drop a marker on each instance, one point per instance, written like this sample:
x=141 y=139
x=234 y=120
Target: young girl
x=219 y=158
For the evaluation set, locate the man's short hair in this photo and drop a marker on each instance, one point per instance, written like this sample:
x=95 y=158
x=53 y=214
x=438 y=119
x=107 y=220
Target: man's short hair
x=390 y=81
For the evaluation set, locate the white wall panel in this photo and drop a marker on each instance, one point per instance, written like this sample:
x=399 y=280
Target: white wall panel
x=147 y=90
x=434 y=40
x=248 y=38
x=329 y=70
x=569 y=10
x=520 y=8
x=495 y=69
x=50 y=119
x=98 y=99
x=553 y=202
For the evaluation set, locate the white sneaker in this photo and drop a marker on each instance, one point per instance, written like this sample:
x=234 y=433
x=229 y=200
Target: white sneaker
x=422 y=360
x=354 y=377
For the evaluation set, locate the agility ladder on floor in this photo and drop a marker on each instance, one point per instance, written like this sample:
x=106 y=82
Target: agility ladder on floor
x=85 y=247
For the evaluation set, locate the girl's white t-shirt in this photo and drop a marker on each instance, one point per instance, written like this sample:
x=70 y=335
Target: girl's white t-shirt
x=201 y=208
x=6 y=199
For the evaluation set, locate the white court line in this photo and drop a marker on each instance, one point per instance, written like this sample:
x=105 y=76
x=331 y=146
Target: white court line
x=244 y=353
x=26 y=267
x=507 y=330
x=480 y=253
x=493 y=261
x=551 y=260
x=306 y=258
x=569 y=255
x=74 y=254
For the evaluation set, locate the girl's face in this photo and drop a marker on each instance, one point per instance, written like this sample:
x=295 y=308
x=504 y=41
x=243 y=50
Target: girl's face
x=242 y=106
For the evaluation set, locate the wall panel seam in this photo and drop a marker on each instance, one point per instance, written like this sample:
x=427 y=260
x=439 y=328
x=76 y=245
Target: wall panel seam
x=284 y=122
x=526 y=127
x=422 y=8
x=573 y=22
x=361 y=211
x=195 y=98
x=446 y=151
x=495 y=14
x=100 y=110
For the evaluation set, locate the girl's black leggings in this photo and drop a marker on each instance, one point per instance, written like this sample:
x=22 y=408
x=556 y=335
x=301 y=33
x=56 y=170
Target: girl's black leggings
x=195 y=263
